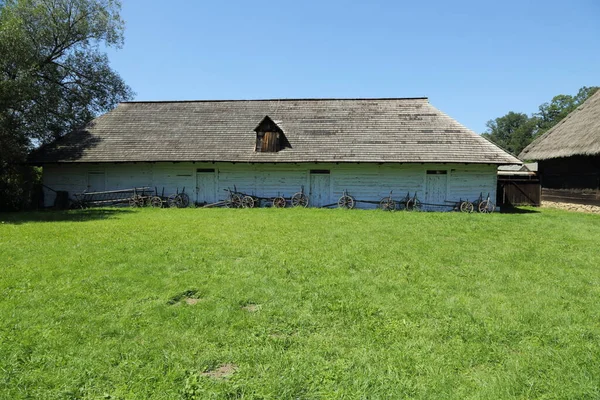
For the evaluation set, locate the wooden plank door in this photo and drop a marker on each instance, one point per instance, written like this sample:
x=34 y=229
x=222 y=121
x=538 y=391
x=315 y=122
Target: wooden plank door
x=206 y=186
x=319 y=188
x=435 y=191
x=96 y=182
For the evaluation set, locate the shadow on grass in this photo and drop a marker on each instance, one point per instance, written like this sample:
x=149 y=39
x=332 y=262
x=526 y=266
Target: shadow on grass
x=517 y=210
x=17 y=218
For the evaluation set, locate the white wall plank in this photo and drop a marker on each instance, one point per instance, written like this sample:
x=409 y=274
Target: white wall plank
x=363 y=181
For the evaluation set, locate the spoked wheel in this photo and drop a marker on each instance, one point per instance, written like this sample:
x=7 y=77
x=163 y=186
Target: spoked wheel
x=174 y=201
x=466 y=207
x=235 y=201
x=300 y=200
x=387 y=204
x=486 y=207
x=248 y=202
x=279 y=202
x=156 y=202
x=413 y=205
x=346 y=201
x=135 y=201
x=185 y=200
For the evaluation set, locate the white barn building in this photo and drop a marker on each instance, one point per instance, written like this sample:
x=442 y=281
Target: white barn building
x=274 y=147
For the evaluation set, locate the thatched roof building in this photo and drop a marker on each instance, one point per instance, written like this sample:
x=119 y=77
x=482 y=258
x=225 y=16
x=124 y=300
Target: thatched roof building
x=576 y=135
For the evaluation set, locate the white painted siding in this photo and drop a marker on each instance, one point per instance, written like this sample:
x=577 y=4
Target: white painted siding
x=363 y=181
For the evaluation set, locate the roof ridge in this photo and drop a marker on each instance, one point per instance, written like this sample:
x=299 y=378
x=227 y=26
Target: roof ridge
x=279 y=99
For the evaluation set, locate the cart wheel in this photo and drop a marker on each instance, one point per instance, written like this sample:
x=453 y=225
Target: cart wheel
x=248 y=202
x=174 y=201
x=279 y=202
x=486 y=207
x=134 y=202
x=466 y=207
x=387 y=204
x=156 y=202
x=346 y=201
x=235 y=201
x=185 y=200
x=300 y=200
x=413 y=205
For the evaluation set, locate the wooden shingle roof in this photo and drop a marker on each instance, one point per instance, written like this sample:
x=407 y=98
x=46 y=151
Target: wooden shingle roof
x=318 y=130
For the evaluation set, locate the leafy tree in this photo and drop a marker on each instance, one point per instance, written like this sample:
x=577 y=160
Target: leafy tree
x=54 y=76
x=512 y=132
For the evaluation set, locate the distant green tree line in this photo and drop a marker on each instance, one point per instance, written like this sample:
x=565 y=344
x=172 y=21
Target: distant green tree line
x=515 y=130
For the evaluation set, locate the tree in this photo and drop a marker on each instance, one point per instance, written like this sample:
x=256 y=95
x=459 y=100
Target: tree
x=512 y=132
x=54 y=77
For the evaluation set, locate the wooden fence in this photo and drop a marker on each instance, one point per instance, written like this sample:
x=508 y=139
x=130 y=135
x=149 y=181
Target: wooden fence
x=518 y=192
x=582 y=196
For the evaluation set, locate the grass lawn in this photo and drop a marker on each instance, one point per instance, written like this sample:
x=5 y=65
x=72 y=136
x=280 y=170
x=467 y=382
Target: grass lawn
x=299 y=303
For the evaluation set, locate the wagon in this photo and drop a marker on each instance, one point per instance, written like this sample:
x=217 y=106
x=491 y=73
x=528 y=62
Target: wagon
x=176 y=200
x=137 y=196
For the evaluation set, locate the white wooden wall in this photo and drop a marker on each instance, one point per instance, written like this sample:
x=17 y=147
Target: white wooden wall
x=363 y=181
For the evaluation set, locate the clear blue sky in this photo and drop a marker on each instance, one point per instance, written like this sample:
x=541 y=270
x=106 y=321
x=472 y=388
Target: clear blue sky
x=475 y=60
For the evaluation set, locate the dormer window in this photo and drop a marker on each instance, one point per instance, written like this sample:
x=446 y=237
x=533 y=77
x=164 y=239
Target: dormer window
x=270 y=137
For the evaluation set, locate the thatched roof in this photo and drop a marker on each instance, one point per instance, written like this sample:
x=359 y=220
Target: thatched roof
x=318 y=130
x=577 y=134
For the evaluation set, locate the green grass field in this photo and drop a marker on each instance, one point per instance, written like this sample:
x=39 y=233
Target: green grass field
x=299 y=303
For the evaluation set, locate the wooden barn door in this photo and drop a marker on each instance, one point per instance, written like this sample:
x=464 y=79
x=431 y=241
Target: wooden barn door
x=435 y=191
x=319 y=188
x=96 y=182
x=206 y=186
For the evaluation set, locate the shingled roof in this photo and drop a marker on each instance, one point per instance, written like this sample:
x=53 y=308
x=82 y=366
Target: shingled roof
x=577 y=134
x=318 y=130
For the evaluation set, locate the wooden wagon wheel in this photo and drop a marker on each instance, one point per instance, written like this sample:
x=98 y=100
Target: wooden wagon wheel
x=134 y=201
x=346 y=201
x=387 y=204
x=486 y=207
x=279 y=202
x=174 y=201
x=248 y=202
x=300 y=200
x=185 y=200
x=466 y=207
x=413 y=205
x=156 y=202
x=235 y=201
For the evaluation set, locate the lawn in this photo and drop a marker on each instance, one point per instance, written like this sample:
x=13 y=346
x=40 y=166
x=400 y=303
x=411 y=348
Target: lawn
x=299 y=303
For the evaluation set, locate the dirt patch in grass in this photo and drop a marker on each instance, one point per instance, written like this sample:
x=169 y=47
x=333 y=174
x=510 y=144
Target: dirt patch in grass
x=251 y=307
x=188 y=296
x=222 y=372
